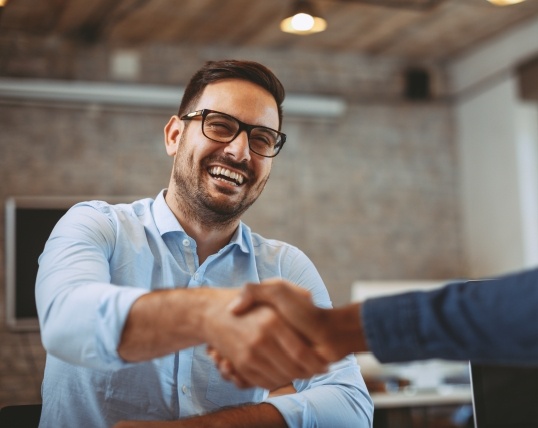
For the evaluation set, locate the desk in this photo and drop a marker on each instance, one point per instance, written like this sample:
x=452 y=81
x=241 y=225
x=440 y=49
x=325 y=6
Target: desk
x=444 y=395
x=425 y=398
x=408 y=408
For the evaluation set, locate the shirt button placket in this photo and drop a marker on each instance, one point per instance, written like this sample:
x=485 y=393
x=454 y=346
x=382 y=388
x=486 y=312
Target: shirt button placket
x=189 y=255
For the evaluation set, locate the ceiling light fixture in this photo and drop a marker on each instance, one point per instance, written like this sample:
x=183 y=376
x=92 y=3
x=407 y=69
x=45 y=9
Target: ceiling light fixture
x=303 y=19
x=505 y=2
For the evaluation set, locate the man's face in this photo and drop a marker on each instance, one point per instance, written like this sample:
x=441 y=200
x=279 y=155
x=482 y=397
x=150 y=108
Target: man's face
x=220 y=181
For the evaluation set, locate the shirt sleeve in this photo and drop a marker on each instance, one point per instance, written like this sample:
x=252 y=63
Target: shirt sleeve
x=487 y=321
x=81 y=314
x=338 y=398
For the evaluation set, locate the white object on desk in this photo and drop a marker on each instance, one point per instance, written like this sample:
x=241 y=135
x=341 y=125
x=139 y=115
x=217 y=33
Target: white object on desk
x=442 y=396
x=362 y=290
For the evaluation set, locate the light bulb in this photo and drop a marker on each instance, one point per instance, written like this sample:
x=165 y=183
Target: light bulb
x=505 y=2
x=302 y=22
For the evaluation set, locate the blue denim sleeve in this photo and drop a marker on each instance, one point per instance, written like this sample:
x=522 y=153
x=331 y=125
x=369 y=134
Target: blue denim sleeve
x=488 y=321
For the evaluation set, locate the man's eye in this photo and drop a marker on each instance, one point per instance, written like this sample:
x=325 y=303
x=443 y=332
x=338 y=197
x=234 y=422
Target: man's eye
x=264 y=138
x=221 y=126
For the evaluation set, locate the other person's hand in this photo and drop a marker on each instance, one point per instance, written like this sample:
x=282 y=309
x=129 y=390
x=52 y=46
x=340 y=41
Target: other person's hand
x=257 y=346
x=333 y=333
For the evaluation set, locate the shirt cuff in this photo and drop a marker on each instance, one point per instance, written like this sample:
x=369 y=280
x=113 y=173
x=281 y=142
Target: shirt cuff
x=112 y=313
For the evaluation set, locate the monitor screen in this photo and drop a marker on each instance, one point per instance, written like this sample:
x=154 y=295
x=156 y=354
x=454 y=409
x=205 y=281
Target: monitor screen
x=504 y=396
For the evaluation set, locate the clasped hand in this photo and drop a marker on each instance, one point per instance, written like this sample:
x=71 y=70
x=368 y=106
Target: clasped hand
x=282 y=336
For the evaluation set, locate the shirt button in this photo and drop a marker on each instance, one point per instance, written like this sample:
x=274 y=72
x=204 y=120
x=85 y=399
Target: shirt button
x=196 y=276
x=186 y=242
x=184 y=389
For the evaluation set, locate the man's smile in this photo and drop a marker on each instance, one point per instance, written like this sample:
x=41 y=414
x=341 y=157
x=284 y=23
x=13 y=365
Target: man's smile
x=226 y=175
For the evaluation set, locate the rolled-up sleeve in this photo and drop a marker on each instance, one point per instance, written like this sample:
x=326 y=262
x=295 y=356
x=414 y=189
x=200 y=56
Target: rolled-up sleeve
x=81 y=313
x=338 y=398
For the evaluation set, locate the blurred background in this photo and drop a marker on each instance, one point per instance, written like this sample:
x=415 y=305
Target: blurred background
x=412 y=128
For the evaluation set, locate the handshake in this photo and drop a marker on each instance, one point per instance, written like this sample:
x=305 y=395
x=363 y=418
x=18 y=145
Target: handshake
x=285 y=336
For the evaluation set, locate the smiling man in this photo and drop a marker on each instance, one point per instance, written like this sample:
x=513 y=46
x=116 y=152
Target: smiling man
x=129 y=296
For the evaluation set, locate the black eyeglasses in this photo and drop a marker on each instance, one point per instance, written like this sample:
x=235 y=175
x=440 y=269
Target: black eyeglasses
x=223 y=128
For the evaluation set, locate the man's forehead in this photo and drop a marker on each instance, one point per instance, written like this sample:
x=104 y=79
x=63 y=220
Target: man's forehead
x=240 y=98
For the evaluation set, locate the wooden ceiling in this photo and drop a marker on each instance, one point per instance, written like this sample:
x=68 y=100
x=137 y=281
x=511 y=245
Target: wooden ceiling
x=435 y=30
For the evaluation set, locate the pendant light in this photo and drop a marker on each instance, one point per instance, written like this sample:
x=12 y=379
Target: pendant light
x=303 y=19
x=505 y=2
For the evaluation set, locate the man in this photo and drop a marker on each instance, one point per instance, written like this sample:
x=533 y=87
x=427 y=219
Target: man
x=489 y=321
x=128 y=295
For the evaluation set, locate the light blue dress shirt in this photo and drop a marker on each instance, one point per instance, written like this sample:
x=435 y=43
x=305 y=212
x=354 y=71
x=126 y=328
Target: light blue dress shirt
x=98 y=260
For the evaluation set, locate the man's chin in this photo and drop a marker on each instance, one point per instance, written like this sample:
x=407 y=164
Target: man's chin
x=227 y=190
x=226 y=207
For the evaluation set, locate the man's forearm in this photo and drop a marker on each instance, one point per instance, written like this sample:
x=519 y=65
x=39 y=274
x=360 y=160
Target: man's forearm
x=255 y=416
x=166 y=321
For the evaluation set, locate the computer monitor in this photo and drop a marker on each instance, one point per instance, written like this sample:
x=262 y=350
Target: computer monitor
x=504 y=396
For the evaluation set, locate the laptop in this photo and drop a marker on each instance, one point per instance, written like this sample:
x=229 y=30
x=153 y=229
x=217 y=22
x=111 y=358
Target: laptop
x=504 y=396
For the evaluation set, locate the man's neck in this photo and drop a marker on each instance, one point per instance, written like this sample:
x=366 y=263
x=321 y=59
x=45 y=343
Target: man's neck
x=209 y=239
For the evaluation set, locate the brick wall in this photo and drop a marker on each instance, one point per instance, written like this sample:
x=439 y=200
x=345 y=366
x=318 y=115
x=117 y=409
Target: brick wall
x=369 y=195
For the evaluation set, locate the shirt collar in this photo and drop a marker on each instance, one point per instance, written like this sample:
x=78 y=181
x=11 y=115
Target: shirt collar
x=166 y=222
x=165 y=219
x=241 y=238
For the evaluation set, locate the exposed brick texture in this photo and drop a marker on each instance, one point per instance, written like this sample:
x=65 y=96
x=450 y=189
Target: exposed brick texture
x=370 y=195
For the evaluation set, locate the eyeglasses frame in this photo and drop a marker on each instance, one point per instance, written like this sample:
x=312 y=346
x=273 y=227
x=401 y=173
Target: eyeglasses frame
x=242 y=127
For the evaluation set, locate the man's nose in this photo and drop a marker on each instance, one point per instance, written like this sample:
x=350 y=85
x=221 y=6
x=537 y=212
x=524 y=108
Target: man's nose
x=239 y=148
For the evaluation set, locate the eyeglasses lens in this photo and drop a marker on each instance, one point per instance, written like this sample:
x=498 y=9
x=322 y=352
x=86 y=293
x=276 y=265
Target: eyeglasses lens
x=224 y=129
x=220 y=128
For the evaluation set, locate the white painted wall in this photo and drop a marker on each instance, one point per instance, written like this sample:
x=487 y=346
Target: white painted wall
x=497 y=137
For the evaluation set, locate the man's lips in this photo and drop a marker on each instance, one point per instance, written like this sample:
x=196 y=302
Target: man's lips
x=227 y=175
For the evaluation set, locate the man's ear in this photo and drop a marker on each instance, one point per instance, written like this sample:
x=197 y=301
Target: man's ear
x=172 y=134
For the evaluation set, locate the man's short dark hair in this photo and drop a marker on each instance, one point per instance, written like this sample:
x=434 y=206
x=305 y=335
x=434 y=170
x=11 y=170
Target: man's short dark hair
x=214 y=71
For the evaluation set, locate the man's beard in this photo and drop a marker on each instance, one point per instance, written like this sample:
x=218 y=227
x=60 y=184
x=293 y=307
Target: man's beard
x=196 y=201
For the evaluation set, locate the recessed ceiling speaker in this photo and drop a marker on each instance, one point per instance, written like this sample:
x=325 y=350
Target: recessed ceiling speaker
x=528 y=79
x=417 y=84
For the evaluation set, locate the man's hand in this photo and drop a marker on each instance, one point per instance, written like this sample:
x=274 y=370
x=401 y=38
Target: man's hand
x=261 y=347
x=334 y=333
x=321 y=327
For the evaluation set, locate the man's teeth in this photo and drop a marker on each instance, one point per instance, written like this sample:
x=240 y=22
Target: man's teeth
x=218 y=170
